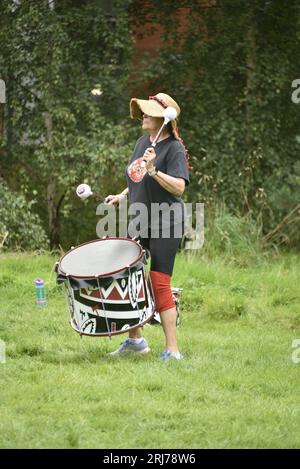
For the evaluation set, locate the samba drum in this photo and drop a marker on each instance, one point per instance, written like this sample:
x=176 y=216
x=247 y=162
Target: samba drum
x=106 y=287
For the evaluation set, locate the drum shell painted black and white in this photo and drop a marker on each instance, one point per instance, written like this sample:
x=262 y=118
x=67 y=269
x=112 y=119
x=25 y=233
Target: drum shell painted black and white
x=110 y=303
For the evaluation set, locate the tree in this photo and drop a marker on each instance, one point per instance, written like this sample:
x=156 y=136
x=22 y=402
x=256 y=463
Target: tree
x=56 y=130
x=230 y=64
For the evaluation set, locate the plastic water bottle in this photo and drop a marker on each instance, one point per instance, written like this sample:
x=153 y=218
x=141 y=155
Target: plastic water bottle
x=40 y=292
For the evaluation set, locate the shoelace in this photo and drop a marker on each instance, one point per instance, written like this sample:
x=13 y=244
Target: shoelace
x=126 y=341
x=168 y=354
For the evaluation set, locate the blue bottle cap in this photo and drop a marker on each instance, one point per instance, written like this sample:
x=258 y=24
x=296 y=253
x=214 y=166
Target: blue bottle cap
x=39 y=282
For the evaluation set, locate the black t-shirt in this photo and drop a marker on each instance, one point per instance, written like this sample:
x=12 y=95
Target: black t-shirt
x=144 y=189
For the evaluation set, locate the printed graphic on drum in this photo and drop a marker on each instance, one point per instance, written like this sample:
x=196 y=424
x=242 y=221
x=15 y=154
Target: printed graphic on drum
x=112 y=309
x=114 y=300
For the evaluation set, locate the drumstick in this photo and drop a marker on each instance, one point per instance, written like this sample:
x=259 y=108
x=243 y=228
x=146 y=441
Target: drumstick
x=98 y=197
x=170 y=114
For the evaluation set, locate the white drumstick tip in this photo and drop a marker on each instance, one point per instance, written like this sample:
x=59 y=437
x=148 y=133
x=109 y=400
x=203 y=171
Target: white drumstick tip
x=170 y=114
x=84 y=191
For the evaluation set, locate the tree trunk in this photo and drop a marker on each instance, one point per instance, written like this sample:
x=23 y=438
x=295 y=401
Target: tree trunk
x=53 y=206
x=1 y=134
x=53 y=215
x=250 y=90
x=250 y=73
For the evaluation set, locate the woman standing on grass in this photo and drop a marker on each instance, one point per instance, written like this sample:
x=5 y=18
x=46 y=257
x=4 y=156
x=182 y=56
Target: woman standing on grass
x=157 y=177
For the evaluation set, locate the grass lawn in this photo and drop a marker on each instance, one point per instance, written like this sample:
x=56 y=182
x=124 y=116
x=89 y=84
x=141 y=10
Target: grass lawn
x=236 y=388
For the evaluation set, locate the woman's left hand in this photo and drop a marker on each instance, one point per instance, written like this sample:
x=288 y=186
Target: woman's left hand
x=149 y=157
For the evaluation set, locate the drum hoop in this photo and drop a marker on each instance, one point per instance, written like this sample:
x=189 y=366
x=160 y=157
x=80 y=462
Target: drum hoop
x=108 y=274
x=107 y=334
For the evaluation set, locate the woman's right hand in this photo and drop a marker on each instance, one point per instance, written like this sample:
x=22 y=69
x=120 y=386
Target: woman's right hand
x=114 y=199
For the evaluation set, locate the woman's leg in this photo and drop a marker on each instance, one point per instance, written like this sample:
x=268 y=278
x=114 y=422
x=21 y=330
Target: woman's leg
x=163 y=252
x=136 y=333
x=168 y=320
x=135 y=341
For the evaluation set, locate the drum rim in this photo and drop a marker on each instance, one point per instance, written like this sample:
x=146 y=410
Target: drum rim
x=108 y=334
x=108 y=274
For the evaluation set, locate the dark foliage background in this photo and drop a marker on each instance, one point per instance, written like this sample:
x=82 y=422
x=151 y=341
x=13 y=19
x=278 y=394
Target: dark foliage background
x=229 y=64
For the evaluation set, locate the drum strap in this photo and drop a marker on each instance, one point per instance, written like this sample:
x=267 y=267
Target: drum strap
x=104 y=310
x=136 y=293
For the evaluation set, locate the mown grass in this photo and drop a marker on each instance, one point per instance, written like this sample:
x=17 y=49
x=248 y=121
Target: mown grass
x=236 y=388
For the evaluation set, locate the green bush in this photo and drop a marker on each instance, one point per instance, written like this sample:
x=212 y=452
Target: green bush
x=232 y=236
x=20 y=228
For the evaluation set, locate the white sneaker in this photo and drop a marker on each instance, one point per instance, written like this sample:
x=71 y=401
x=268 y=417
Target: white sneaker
x=167 y=355
x=129 y=346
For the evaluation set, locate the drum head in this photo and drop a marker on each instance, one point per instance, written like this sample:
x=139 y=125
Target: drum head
x=102 y=257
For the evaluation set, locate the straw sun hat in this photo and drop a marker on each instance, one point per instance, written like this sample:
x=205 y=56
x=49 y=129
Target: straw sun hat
x=154 y=107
